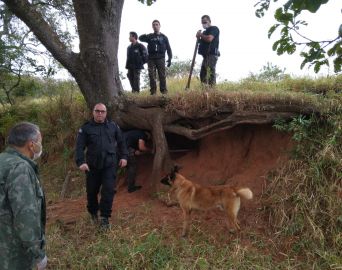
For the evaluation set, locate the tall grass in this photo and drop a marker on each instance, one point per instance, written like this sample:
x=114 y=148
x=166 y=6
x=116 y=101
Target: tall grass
x=303 y=198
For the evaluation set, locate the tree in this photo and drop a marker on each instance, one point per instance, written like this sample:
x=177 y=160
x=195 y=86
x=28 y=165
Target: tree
x=180 y=69
x=20 y=55
x=268 y=73
x=315 y=53
x=95 y=67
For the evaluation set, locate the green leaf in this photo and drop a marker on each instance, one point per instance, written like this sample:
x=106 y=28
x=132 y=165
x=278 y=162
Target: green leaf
x=272 y=29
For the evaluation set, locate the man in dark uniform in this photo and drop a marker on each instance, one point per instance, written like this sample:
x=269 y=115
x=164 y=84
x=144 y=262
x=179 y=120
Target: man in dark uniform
x=157 y=45
x=103 y=140
x=209 y=49
x=136 y=143
x=136 y=58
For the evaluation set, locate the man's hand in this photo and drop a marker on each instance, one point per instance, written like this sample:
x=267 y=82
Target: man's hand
x=84 y=167
x=168 y=62
x=122 y=163
x=42 y=264
x=198 y=34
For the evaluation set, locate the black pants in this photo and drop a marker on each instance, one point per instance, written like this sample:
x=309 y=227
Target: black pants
x=155 y=65
x=104 y=179
x=131 y=168
x=208 y=70
x=133 y=76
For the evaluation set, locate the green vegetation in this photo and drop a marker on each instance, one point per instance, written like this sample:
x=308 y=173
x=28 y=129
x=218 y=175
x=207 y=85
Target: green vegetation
x=289 y=16
x=303 y=199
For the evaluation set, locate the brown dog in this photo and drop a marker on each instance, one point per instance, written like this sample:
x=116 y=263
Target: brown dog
x=194 y=196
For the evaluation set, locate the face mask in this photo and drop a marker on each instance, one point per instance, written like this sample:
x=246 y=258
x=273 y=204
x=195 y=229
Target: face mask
x=205 y=25
x=37 y=155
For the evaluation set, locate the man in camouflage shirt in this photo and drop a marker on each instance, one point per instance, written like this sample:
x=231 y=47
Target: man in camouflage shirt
x=22 y=202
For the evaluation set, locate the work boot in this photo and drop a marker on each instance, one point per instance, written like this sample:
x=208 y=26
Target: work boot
x=104 y=223
x=134 y=188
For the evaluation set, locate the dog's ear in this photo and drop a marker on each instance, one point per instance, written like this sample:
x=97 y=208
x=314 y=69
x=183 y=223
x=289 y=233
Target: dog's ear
x=165 y=180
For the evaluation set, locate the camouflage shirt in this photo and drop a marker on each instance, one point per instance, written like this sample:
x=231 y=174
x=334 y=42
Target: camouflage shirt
x=22 y=212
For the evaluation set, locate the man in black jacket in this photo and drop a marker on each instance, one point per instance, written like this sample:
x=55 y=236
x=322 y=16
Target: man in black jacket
x=209 y=49
x=157 y=45
x=103 y=140
x=136 y=58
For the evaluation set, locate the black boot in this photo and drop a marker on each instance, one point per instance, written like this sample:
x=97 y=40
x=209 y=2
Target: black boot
x=104 y=223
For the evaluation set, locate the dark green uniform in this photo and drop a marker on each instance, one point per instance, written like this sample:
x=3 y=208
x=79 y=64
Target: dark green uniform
x=22 y=212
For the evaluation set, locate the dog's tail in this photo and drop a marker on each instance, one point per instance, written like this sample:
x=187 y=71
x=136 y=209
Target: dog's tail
x=245 y=193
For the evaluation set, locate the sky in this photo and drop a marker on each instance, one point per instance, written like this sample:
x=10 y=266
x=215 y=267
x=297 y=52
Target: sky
x=244 y=45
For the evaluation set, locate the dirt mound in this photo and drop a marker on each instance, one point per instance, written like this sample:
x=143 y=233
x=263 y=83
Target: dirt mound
x=241 y=156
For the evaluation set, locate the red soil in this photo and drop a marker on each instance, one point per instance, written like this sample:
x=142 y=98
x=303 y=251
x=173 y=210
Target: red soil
x=241 y=156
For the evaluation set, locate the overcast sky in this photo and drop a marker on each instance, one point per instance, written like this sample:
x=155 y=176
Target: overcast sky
x=244 y=44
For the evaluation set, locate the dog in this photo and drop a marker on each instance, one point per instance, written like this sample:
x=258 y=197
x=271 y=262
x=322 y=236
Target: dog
x=194 y=196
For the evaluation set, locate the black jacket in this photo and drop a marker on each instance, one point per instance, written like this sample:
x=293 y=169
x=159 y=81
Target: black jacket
x=136 y=56
x=103 y=141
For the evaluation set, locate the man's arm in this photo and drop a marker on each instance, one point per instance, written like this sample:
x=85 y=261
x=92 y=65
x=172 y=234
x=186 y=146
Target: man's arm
x=168 y=49
x=206 y=38
x=24 y=202
x=80 y=146
x=144 y=38
x=143 y=147
x=144 y=53
x=210 y=35
x=122 y=148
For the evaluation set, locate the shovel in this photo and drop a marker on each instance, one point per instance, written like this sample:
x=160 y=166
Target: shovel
x=192 y=65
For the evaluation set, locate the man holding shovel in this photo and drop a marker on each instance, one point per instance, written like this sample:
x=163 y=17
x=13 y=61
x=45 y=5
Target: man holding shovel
x=209 y=49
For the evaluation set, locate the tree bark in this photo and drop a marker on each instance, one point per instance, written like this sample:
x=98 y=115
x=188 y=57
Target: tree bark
x=98 y=24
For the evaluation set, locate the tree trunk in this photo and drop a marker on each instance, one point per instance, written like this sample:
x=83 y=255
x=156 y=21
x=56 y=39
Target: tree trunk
x=98 y=24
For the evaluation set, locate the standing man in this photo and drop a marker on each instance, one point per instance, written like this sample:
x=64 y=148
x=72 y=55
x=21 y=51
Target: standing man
x=157 y=45
x=22 y=201
x=209 y=49
x=136 y=143
x=101 y=138
x=136 y=58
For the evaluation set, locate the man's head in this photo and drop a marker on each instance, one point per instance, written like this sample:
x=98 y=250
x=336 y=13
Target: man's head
x=100 y=113
x=206 y=22
x=133 y=37
x=156 y=26
x=27 y=139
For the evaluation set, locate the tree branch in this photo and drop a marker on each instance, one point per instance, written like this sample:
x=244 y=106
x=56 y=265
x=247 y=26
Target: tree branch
x=44 y=32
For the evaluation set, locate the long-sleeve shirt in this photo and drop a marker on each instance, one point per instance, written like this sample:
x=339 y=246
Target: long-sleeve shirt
x=22 y=212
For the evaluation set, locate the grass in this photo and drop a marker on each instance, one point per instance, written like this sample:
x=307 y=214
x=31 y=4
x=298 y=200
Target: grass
x=138 y=243
x=322 y=95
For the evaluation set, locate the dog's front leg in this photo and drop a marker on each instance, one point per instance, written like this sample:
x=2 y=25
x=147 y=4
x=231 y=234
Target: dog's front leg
x=186 y=222
x=231 y=221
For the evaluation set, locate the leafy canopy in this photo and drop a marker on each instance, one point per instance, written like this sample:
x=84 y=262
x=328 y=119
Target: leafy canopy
x=315 y=53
